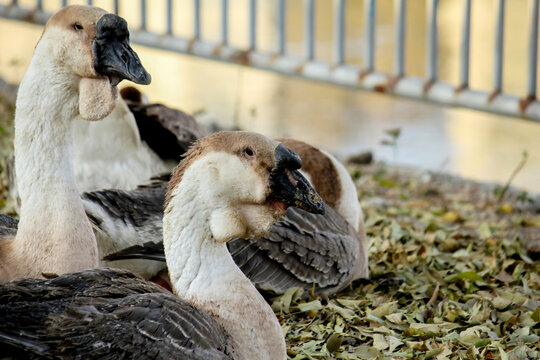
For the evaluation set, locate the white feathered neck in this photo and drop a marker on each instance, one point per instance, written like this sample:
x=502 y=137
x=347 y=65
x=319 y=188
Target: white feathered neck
x=202 y=270
x=54 y=234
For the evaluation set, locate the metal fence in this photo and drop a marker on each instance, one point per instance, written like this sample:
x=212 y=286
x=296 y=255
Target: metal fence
x=338 y=71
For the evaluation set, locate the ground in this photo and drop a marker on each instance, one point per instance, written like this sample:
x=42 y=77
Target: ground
x=455 y=271
x=455 y=274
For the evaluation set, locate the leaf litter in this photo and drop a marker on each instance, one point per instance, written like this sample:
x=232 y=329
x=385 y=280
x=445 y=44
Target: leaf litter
x=455 y=274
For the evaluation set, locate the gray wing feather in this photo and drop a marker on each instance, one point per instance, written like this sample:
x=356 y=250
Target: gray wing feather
x=302 y=249
x=169 y=132
x=104 y=314
x=139 y=207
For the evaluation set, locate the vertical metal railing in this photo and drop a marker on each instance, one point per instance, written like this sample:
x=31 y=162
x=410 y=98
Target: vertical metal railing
x=309 y=29
x=196 y=19
x=400 y=11
x=339 y=31
x=281 y=27
x=252 y=24
x=465 y=46
x=339 y=70
x=432 y=41
x=499 y=47
x=143 y=14
x=370 y=20
x=169 y=17
x=533 y=50
x=225 y=22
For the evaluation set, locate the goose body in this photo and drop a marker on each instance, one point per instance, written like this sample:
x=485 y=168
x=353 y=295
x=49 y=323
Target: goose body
x=231 y=184
x=135 y=142
x=115 y=157
x=74 y=72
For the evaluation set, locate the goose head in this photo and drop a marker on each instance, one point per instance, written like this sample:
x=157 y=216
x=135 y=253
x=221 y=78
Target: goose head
x=246 y=180
x=92 y=47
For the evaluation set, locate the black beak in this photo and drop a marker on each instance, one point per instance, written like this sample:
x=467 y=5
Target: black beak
x=113 y=57
x=289 y=186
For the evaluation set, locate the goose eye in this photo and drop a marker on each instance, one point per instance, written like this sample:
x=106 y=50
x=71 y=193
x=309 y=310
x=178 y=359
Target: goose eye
x=248 y=151
x=78 y=27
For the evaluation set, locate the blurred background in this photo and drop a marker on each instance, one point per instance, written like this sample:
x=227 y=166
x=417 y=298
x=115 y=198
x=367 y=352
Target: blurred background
x=344 y=120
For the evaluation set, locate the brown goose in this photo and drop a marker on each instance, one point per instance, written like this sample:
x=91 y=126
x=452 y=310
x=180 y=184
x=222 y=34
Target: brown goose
x=82 y=55
x=231 y=184
x=302 y=249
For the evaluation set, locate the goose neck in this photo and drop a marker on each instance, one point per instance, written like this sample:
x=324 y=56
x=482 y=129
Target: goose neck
x=53 y=222
x=203 y=272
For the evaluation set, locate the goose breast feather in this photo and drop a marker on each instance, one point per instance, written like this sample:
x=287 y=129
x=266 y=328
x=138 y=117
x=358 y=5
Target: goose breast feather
x=60 y=317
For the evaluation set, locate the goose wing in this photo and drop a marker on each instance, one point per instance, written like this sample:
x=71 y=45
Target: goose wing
x=122 y=219
x=104 y=314
x=169 y=132
x=138 y=209
x=301 y=249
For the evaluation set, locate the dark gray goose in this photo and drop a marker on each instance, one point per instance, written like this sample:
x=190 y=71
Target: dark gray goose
x=301 y=250
x=82 y=55
x=230 y=184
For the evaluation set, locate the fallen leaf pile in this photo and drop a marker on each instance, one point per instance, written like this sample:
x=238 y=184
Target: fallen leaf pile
x=454 y=275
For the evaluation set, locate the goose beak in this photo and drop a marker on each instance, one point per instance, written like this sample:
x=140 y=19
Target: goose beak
x=289 y=186
x=113 y=57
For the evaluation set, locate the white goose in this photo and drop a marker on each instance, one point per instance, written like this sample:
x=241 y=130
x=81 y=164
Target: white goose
x=82 y=55
x=231 y=184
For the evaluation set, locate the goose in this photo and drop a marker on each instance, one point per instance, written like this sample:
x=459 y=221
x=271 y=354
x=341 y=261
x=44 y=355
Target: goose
x=301 y=250
x=77 y=64
x=230 y=184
